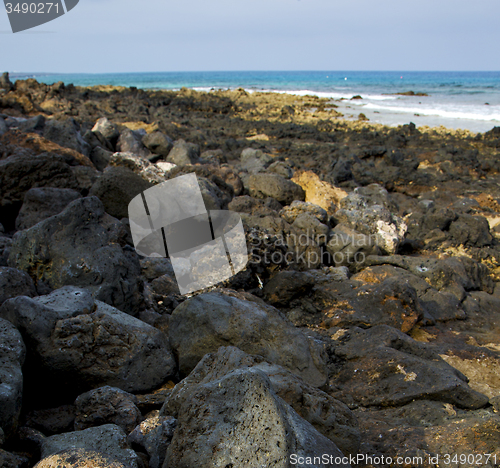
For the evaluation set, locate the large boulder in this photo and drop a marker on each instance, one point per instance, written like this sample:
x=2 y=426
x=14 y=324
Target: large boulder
x=82 y=246
x=204 y=323
x=15 y=283
x=116 y=188
x=84 y=344
x=107 y=442
x=158 y=143
x=275 y=186
x=23 y=171
x=12 y=354
x=184 y=153
x=66 y=133
x=42 y=203
x=130 y=141
x=330 y=417
x=238 y=420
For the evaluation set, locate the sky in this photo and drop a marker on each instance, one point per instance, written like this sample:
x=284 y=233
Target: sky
x=111 y=36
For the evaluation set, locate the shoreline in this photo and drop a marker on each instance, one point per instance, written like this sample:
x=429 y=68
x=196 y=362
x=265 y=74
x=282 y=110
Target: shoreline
x=425 y=98
x=369 y=305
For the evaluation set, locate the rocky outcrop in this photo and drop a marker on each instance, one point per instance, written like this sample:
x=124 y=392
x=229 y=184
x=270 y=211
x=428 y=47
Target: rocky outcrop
x=70 y=337
x=204 y=323
x=329 y=416
x=82 y=246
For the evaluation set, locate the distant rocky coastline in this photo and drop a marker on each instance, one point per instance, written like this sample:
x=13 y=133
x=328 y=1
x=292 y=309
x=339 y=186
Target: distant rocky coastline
x=366 y=323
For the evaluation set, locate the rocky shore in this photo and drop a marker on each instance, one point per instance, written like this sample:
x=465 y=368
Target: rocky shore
x=366 y=323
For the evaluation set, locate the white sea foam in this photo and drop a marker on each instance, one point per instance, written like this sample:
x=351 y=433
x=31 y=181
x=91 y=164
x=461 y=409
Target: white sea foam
x=371 y=101
x=473 y=113
x=326 y=94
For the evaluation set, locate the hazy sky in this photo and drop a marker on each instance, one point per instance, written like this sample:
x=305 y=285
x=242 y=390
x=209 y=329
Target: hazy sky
x=162 y=35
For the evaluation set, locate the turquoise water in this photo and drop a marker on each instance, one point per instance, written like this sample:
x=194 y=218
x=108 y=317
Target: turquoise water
x=456 y=99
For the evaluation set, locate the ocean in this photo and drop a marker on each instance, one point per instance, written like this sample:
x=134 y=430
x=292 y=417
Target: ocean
x=466 y=100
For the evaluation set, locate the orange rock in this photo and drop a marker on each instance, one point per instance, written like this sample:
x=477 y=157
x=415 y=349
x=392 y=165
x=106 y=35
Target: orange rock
x=319 y=192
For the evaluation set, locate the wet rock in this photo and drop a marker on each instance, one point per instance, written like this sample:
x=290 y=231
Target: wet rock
x=71 y=339
x=275 y=186
x=329 y=416
x=204 y=323
x=218 y=426
x=82 y=247
x=107 y=443
x=158 y=143
x=184 y=153
x=319 y=192
x=66 y=133
x=15 y=283
x=52 y=420
x=291 y=212
x=382 y=366
x=367 y=210
x=254 y=161
x=107 y=405
x=130 y=141
x=154 y=435
x=12 y=354
x=42 y=203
